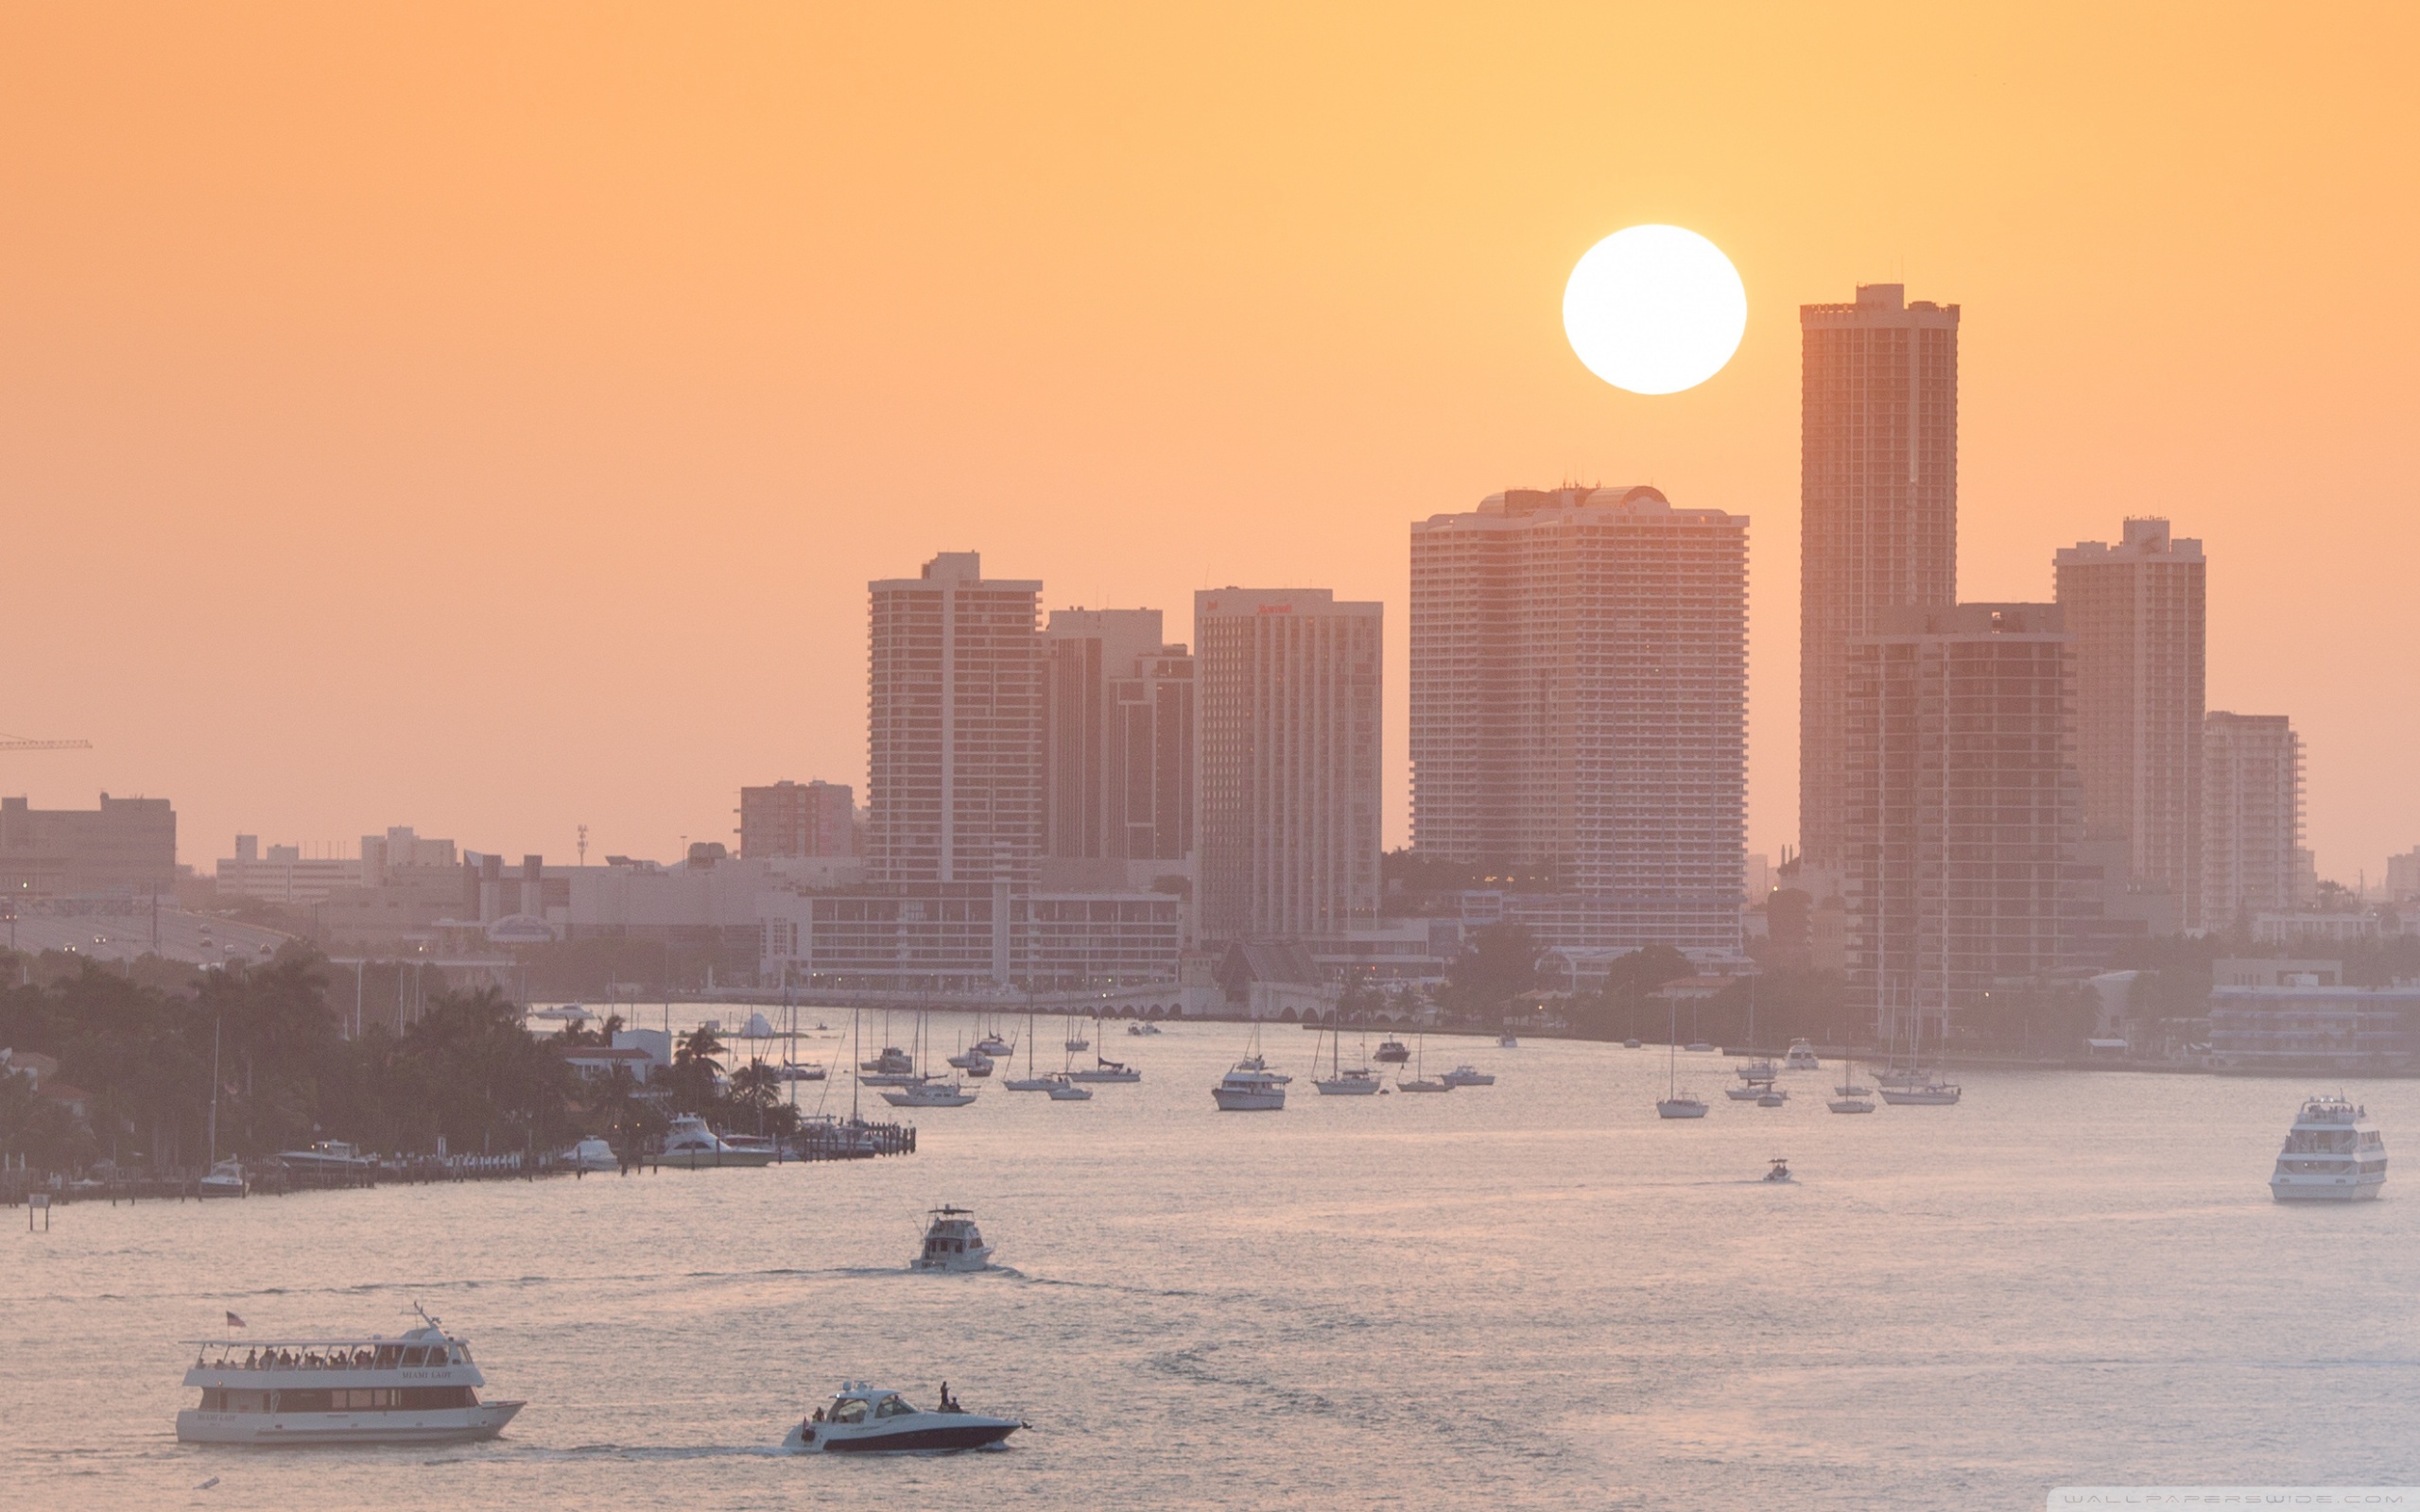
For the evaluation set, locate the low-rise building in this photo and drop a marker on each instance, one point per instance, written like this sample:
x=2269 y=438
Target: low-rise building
x=285 y=876
x=2300 y=1016
x=126 y=845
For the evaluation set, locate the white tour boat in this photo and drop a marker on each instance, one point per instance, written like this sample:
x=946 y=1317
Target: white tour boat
x=1802 y=1056
x=690 y=1145
x=861 y=1419
x=420 y=1388
x=2332 y=1154
x=952 y=1242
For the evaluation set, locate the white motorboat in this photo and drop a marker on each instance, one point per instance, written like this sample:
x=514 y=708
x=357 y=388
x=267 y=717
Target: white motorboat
x=929 y=1094
x=1467 y=1075
x=591 y=1154
x=226 y=1180
x=1508 y=1040
x=1062 y=1089
x=893 y=1061
x=1802 y=1056
x=1780 y=1170
x=1140 y=1027
x=861 y=1419
x=690 y=1145
x=1391 y=1052
x=1251 y=1087
x=2332 y=1154
x=420 y=1388
x=996 y=1047
x=1107 y=1071
x=952 y=1242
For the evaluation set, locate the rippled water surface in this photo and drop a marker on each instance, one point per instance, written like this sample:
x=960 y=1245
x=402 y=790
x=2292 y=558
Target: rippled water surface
x=1534 y=1295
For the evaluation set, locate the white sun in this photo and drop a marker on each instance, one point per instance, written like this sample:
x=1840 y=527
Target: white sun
x=1655 y=309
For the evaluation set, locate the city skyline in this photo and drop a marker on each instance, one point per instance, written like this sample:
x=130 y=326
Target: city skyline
x=279 y=419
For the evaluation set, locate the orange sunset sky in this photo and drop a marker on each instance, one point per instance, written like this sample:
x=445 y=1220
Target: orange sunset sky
x=485 y=418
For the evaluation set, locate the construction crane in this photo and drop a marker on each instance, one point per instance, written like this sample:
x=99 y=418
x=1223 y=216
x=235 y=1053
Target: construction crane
x=20 y=743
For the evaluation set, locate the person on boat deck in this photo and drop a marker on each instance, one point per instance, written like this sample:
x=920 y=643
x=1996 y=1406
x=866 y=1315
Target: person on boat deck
x=946 y=1403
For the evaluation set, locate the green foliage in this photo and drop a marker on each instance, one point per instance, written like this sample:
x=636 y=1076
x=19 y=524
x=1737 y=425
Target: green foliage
x=1501 y=962
x=1622 y=1007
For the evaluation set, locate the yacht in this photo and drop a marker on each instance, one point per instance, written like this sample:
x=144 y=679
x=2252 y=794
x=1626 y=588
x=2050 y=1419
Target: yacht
x=1251 y=1087
x=226 y=1180
x=952 y=1242
x=1746 y=1092
x=1141 y=1027
x=929 y=1094
x=801 y=1071
x=996 y=1047
x=973 y=1062
x=2332 y=1154
x=591 y=1154
x=690 y=1145
x=1631 y=1045
x=1107 y=1070
x=869 y=1419
x=1076 y=1040
x=1393 y=1052
x=1676 y=1103
x=327 y=1157
x=1700 y=1047
x=1350 y=1081
x=420 y=1388
x=1771 y=1097
x=1919 y=1089
x=1062 y=1089
x=1851 y=1098
x=1760 y=1069
x=1802 y=1056
x=893 y=1061
x=1508 y=1040
x=1421 y=1081
x=1467 y=1075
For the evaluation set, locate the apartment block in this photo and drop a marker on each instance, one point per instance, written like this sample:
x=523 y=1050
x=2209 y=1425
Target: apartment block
x=789 y=818
x=1118 y=724
x=2251 y=825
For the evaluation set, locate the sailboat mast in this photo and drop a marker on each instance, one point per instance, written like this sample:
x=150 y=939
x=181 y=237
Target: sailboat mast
x=216 y=1025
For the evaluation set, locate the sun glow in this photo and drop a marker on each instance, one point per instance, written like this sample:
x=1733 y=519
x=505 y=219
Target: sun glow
x=1655 y=309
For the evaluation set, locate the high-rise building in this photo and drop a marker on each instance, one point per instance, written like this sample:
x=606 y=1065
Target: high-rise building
x=1118 y=743
x=1962 y=811
x=2136 y=611
x=954 y=734
x=790 y=818
x=1578 y=703
x=2252 y=826
x=1878 y=502
x=1287 y=767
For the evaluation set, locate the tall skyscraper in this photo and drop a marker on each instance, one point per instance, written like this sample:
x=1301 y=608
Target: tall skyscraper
x=1878 y=500
x=1118 y=749
x=1287 y=771
x=1962 y=808
x=789 y=818
x=2251 y=827
x=2136 y=611
x=1579 y=695
x=954 y=730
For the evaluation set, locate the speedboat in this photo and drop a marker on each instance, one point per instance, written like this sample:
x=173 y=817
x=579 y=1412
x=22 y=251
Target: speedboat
x=1393 y=1052
x=1780 y=1171
x=1117 y=1071
x=690 y=1145
x=1064 y=1090
x=1802 y=1056
x=591 y=1154
x=420 y=1388
x=871 y=1419
x=1467 y=1075
x=2332 y=1154
x=929 y=1094
x=226 y=1180
x=952 y=1242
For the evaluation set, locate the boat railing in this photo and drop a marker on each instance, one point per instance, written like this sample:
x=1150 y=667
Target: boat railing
x=328 y=1356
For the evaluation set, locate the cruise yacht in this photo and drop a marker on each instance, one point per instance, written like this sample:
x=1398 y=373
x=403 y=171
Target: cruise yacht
x=1467 y=1075
x=1251 y=1087
x=690 y=1145
x=929 y=1094
x=1802 y=1056
x=893 y=1061
x=1391 y=1052
x=952 y=1242
x=2332 y=1154
x=420 y=1388
x=861 y=1419
x=226 y=1180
